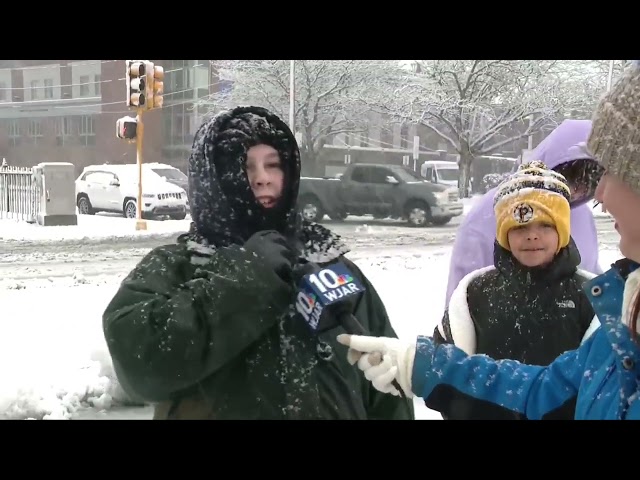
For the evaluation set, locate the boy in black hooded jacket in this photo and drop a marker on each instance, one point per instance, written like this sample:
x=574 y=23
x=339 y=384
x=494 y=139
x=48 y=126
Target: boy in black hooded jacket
x=207 y=328
x=529 y=306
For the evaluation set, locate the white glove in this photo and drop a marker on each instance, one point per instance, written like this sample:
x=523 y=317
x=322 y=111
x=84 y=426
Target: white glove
x=397 y=361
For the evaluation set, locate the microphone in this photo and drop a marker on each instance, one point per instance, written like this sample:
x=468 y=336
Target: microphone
x=331 y=289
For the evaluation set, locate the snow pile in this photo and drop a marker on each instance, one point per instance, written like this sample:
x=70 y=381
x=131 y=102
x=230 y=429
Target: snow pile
x=53 y=357
x=364 y=228
x=53 y=397
x=77 y=278
x=91 y=228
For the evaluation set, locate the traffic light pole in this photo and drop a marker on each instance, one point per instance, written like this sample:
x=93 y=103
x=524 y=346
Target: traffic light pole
x=140 y=223
x=145 y=86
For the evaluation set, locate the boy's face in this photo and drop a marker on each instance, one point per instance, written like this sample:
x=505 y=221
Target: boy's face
x=265 y=174
x=534 y=244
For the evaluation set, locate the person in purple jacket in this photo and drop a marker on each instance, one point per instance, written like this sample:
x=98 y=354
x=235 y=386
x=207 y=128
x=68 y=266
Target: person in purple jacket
x=563 y=151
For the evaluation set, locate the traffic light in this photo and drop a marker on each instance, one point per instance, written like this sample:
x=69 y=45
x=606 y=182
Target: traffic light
x=126 y=128
x=137 y=84
x=155 y=85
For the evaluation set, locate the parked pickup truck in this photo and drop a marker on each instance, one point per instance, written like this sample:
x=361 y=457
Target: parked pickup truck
x=379 y=190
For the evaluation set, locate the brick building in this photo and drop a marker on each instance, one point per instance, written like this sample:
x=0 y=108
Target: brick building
x=66 y=110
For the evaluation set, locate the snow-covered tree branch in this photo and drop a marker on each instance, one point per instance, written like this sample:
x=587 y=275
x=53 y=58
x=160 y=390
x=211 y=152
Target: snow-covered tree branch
x=479 y=106
x=325 y=95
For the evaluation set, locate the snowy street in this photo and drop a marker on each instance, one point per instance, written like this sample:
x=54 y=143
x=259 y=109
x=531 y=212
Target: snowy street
x=55 y=284
x=82 y=259
x=96 y=259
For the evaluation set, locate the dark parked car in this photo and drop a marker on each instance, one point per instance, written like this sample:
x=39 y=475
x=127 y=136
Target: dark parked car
x=382 y=191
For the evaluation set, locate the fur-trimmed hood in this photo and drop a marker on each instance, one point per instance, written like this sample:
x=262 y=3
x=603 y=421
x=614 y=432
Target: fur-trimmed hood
x=223 y=207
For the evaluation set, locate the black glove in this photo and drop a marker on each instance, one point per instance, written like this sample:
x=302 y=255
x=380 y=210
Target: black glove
x=274 y=251
x=301 y=269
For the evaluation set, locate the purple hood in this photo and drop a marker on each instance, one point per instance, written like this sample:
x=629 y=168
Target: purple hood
x=473 y=248
x=564 y=144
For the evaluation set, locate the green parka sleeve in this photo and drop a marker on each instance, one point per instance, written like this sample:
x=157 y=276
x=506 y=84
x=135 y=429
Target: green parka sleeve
x=372 y=314
x=172 y=323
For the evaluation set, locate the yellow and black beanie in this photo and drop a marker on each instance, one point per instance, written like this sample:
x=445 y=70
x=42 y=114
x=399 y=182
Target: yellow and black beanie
x=534 y=193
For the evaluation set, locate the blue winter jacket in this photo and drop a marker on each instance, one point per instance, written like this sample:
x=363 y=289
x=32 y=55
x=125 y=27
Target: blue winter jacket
x=602 y=376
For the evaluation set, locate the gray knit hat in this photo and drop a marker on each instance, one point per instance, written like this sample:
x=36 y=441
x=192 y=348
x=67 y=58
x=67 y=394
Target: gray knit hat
x=615 y=133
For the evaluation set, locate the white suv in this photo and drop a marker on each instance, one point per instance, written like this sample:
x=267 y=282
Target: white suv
x=114 y=188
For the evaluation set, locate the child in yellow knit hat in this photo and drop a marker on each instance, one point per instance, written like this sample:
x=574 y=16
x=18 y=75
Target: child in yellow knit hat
x=529 y=306
x=533 y=214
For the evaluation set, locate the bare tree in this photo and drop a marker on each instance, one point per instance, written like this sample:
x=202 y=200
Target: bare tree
x=603 y=70
x=585 y=81
x=324 y=90
x=480 y=106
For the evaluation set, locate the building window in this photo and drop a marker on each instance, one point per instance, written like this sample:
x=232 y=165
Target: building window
x=86 y=131
x=177 y=129
x=84 y=85
x=189 y=77
x=4 y=92
x=181 y=126
x=64 y=131
x=169 y=78
x=13 y=131
x=97 y=84
x=35 y=92
x=48 y=88
x=166 y=127
x=202 y=80
x=404 y=136
x=179 y=79
x=386 y=137
x=35 y=131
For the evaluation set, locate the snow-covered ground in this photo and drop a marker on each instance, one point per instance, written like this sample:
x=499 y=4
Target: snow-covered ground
x=53 y=358
x=55 y=282
x=90 y=228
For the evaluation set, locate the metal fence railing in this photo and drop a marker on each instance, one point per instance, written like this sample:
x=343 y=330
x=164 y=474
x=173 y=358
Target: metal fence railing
x=19 y=194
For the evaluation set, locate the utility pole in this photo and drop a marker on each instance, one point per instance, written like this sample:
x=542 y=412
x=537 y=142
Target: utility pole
x=610 y=78
x=140 y=223
x=292 y=86
x=416 y=152
x=145 y=88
